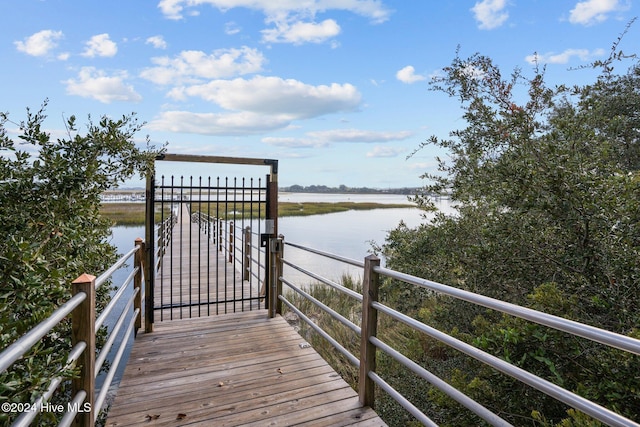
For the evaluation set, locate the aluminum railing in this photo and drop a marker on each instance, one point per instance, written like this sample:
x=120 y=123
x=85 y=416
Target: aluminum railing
x=370 y=343
x=86 y=400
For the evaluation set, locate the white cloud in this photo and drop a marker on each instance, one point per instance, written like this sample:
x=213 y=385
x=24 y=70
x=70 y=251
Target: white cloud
x=40 y=43
x=408 y=75
x=293 y=20
x=193 y=65
x=256 y=106
x=232 y=28
x=96 y=84
x=157 y=41
x=327 y=137
x=384 y=152
x=490 y=13
x=100 y=45
x=564 y=57
x=294 y=142
x=372 y=9
x=242 y=123
x=274 y=96
x=591 y=11
x=359 y=135
x=302 y=32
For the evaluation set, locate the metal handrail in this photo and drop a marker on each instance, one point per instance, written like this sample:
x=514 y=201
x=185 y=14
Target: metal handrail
x=354 y=360
x=19 y=348
x=353 y=294
x=16 y=350
x=592 y=333
x=346 y=322
x=336 y=257
x=602 y=336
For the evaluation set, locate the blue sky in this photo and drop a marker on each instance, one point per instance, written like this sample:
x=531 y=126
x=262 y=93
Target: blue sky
x=336 y=90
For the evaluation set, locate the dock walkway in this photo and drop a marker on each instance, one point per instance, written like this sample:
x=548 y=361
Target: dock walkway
x=240 y=369
x=195 y=278
x=235 y=367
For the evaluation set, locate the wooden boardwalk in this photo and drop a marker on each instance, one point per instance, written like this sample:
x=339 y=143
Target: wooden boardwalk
x=196 y=279
x=237 y=369
x=241 y=369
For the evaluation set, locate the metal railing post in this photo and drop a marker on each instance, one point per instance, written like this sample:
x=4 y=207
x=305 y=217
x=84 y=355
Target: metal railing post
x=137 y=281
x=369 y=326
x=149 y=273
x=83 y=329
x=231 y=234
x=279 y=271
x=246 y=267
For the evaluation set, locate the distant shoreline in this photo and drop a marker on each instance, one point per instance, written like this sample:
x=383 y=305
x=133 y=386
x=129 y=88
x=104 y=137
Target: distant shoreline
x=133 y=213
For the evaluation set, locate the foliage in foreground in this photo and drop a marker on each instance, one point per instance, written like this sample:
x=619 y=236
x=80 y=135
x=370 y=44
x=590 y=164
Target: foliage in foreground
x=53 y=232
x=548 y=192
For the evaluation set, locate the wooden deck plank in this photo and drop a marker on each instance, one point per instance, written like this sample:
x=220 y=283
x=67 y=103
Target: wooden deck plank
x=235 y=369
x=232 y=370
x=196 y=278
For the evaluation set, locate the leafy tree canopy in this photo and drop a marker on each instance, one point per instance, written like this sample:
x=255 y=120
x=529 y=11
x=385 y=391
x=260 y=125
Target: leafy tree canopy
x=52 y=230
x=548 y=192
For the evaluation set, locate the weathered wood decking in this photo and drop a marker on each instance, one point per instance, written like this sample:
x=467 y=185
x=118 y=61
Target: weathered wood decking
x=196 y=278
x=232 y=370
x=236 y=369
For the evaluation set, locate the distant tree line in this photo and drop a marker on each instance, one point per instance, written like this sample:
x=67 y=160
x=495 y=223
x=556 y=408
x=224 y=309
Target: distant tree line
x=349 y=190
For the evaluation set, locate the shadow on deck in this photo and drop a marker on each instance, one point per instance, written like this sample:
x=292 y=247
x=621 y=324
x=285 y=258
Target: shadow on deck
x=230 y=370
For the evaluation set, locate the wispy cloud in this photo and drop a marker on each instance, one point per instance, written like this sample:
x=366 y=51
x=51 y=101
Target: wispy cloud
x=157 y=41
x=408 y=75
x=291 y=142
x=96 y=84
x=372 y=9
x=40 y=43
x=380 y=151
x=100 y=45
x=593 y=11
x=490 y=14
x=218 y=124
x=232 y=28
x=301 y=32
x=359 y=135
x=291 y=21
x=564 y=57
x=327 y=137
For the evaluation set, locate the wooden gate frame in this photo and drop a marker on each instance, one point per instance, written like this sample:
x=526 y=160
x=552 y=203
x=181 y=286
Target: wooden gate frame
x=271 y=214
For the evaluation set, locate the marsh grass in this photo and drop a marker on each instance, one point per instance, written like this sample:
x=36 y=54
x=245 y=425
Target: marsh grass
x=133 y=213
x=404 y=339
x=130 y=213
x=347 y=307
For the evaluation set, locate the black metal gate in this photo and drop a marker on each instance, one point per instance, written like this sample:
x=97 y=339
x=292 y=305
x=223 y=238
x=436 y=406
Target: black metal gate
x=207 y=240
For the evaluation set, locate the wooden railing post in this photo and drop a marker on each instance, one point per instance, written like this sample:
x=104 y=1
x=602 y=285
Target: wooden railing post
x=138 y=263
x=366 y=386
x=83 y=329
x=275 y=284
x=246 y=267
x=231 y=230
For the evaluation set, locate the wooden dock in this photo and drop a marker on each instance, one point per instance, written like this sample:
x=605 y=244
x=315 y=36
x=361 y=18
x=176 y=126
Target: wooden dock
x=195 y=278
x=234 y=367
x=241 y=369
